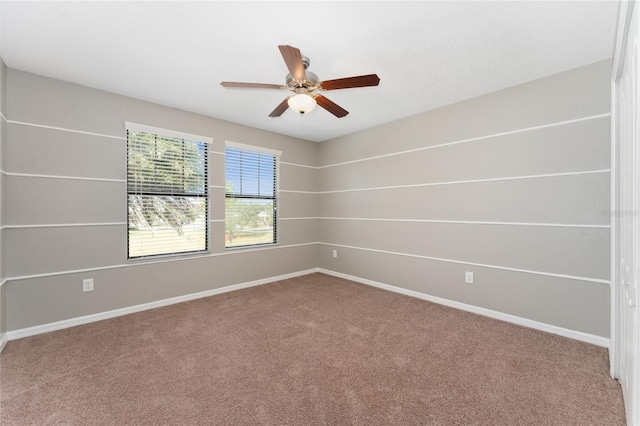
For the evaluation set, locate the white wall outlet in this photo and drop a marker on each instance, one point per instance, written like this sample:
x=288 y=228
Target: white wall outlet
x=87 y=284
x=468 y=277
x=335 y=253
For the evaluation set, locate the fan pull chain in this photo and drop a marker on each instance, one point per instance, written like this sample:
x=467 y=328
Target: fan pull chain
x=301 y=122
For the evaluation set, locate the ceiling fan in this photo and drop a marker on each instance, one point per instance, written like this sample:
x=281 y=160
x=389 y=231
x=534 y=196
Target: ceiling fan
x=306 y=86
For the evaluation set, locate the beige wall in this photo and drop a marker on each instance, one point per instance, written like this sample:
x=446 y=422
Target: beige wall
x=65 y=156
x=513 y=186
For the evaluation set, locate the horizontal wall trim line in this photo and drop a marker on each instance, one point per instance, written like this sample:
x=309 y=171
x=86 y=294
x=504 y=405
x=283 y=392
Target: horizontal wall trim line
x=70 y=225
x=462 y=182
x=381 y=188
x=59 y=325
x=216 y=152
x=63 y=129
x=286 y=163
x=34 y=175
x=479 y=138
x=481 y=265
x=469 y=222
x=151 y=262
x=64 y=225
x=22 y=123
x=560 y=331
x=299 y=192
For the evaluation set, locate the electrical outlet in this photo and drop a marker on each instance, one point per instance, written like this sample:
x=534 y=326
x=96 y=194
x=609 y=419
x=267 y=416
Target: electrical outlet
x=335 y=253
x=468 y=277
x=87 y=284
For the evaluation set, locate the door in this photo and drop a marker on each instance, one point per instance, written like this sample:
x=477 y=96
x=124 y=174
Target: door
x=627 y=216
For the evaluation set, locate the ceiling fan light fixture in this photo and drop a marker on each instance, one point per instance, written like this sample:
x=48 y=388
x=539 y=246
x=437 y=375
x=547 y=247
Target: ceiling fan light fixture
x=302 y=103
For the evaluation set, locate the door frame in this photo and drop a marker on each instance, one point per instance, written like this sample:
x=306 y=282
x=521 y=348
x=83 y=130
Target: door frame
x=626 y=11
x=624 y=19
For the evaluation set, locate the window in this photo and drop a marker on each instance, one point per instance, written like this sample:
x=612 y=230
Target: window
x=166 y=192
x=251 y=205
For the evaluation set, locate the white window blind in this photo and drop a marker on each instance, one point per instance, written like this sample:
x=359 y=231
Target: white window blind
x=251 y=204
x=167 y=195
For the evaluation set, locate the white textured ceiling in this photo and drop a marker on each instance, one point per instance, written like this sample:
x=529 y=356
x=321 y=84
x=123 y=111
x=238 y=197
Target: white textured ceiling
x=427 y=54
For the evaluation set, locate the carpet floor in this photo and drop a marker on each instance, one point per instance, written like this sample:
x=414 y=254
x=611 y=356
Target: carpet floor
x=312 y=350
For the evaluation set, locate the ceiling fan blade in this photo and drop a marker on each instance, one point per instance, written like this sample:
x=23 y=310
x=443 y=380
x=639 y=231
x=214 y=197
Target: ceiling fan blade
x=349 y=82
x=280 y=109
x=331 y=106
x=293 y=59
x=251 y=85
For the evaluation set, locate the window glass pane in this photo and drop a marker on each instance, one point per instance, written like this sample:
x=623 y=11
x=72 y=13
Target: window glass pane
x=167 y=195
x=251 y=205
x=249 y=222
x=161 y=225
x=267 y=177
x=250 y=173
x=160 y=164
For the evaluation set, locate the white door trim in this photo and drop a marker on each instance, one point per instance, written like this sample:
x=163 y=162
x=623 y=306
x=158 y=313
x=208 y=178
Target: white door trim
x=624 y=240
x=624 y=19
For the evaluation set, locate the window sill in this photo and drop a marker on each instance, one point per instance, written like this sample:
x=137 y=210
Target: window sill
x=249 y=247
x=161 y=257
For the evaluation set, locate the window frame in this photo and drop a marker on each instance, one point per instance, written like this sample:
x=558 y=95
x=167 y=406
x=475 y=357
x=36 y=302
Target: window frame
x=205 y=195
x=276 y=154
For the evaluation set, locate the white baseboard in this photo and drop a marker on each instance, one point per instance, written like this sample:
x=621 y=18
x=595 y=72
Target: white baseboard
x=59 y=325
x=572 y=334
x=3 y=341
x=72 y=322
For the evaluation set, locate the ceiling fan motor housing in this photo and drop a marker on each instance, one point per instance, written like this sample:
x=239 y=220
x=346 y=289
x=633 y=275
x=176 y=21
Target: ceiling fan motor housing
x=311 y=83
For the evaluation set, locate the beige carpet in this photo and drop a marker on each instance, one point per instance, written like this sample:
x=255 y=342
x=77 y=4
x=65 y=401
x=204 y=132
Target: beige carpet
x=313 y=350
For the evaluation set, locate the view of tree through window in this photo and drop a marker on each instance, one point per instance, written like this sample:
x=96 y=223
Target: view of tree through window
x=251 y=203
x=167 y=195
